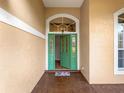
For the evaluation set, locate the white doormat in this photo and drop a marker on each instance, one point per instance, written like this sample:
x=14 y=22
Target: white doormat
x=62 y=73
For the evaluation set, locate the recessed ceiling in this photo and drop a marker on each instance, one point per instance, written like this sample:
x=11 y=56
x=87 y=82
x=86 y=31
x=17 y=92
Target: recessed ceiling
x=63 y=3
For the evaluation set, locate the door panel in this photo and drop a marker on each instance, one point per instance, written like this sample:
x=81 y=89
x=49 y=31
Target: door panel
x=51 y=52
x=65 y=57
x=67 y=52
x=62 y=50
x=73 y=51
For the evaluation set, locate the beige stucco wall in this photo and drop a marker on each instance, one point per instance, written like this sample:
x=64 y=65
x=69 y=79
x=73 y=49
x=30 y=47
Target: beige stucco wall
x=30 y=11
x=22 y=55
x=102 y=41
x=72 y=11
x=84 y=39
x=22 y=64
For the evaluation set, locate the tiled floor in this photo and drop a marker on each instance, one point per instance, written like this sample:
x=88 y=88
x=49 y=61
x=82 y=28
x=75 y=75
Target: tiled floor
x=76 y=83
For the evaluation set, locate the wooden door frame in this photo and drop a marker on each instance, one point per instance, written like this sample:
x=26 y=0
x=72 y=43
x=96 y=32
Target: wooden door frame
x=77 y=32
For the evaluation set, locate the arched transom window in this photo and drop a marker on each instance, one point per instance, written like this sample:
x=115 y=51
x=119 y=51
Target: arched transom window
x=62 y=24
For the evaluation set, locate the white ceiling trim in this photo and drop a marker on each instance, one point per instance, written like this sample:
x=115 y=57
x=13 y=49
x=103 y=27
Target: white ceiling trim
x=9 y=19
x=63 y=3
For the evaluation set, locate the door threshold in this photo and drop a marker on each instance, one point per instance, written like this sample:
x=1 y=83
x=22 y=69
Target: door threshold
x=62 y=69
x=53 y=71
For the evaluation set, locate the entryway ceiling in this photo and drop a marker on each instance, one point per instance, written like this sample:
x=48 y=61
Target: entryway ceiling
x=63 y=3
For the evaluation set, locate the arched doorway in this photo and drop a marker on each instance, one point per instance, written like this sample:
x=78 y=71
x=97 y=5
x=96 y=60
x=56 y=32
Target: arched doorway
x=68 y=28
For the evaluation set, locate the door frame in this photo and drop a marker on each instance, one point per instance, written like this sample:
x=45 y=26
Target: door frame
x=77 y=32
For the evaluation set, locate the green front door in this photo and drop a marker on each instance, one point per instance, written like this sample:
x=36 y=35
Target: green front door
x=51 y=52
x=68 y=51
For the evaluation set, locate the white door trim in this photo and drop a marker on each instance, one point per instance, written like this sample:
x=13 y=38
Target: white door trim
x=77 y=32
